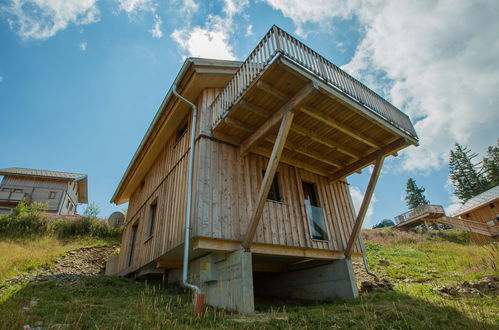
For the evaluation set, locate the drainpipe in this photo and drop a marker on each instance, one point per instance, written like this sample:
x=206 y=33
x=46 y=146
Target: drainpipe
x=199 y=298
x=365 y=261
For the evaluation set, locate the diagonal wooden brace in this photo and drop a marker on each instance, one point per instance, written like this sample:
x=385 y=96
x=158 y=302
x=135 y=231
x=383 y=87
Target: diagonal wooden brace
x=269 y=176
x=363 y=207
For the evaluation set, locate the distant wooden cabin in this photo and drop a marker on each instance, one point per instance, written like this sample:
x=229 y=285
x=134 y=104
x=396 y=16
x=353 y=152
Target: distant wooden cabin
x=276 y=137
x=482 y=208
x=479 y=216
x=61 y=191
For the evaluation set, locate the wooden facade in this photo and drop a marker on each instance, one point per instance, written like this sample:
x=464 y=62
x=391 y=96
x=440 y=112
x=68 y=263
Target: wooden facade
x=484 y=209
x=61 y=191
x=289 y=131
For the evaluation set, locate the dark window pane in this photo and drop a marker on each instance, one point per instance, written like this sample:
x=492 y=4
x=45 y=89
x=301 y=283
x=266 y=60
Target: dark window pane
x=274 y=193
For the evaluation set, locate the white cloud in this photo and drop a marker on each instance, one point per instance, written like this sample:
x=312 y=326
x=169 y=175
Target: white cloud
x=189 y=7
x=83 y=46
x=42 y=19
x=357 y=197
x=440 y=61
x=131 y=6
x=212 y=40
x=156 y=29
x=249 y=30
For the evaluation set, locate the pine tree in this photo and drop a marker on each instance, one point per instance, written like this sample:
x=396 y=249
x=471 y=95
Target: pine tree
x=415 y=195
x=465 y=175
x=491 y=166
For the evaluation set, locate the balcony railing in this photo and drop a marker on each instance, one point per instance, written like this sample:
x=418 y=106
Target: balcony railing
x=420 y=210
x=277 y=42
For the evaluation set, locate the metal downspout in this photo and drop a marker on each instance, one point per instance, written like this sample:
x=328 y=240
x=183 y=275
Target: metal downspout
x=365 y=260
x=189 y=194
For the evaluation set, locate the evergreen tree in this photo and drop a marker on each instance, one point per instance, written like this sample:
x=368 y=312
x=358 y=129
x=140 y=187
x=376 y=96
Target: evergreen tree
x=415 y=195
x=465 y=175
x=491 y=166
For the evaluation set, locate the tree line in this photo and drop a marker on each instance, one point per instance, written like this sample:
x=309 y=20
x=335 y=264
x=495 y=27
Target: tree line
x=468 y=176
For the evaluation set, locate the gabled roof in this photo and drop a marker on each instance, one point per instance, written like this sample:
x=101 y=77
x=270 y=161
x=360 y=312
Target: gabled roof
x=80 y=178
x=479 y=200
x=195 y=75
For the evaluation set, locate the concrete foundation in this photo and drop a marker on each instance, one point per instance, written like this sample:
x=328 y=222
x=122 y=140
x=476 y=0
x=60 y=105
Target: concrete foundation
x=226 y=279
x=112 y=264
x=325 y=282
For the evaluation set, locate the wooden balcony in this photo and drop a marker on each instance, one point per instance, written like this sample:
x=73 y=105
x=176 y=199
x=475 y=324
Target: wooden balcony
x=418 y=215
x=339 y=127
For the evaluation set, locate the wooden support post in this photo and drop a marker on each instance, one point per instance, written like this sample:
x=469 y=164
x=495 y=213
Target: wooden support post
x=363 y=207
x=269 y=176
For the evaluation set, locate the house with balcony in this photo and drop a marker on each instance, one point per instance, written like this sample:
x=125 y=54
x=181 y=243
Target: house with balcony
x=239 y=186
x=62 y=191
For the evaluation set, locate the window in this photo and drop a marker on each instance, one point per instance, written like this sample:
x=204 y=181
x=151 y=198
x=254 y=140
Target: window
x=152 y=219
x=491 y=223
x=6 y=189
x=274 y=193
x=133 y=236
x=18 y=190
x=52 y=195
x=181 y=132
x=314 y=212
x=492 y=205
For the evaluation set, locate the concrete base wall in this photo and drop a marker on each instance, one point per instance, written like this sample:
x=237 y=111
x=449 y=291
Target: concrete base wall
x=226 y=280
x=325 y=282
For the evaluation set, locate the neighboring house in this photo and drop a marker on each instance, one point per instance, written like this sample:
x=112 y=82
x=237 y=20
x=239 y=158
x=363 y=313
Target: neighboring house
x=482 y=208
x=62 y=191
x=271 y=212
x=479 y=216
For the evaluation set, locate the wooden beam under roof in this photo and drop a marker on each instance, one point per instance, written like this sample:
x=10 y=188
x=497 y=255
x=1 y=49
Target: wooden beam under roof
x=309 y=153
x=272 y=91
x=263 y=130
x=304 y=132
x=289 y=145
x=293 y=162
x=354 y=167
x=343 y=127
x=325 y=141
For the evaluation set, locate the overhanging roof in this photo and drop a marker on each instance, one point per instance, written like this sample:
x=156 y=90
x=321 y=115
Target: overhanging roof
x=81 y=179
x=478 y=201
x=195 y=75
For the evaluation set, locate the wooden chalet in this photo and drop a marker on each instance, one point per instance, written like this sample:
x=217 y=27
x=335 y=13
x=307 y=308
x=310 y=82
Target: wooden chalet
x=61 y=191
x=271 y=213
x=479 y=216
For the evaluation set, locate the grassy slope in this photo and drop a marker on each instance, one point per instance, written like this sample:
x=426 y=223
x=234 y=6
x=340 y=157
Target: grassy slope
x=23 y=255
x=111 y=302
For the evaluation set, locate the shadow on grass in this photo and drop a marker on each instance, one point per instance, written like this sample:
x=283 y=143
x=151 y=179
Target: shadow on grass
x=107 y=302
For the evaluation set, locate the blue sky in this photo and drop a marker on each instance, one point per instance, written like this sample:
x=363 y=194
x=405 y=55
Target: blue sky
x=80 y=80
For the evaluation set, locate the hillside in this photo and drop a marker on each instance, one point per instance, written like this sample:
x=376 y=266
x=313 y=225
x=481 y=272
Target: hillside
x=439 y=282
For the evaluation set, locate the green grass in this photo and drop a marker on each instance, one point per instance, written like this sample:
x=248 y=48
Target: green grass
x=428 y=260
x=106 y=302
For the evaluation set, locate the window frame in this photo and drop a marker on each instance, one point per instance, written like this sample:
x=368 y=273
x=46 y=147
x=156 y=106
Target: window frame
x=327 y=234
x=52 y=194
x=153 y=214
x=181 y=131
x=133 y=239
x=275 y=188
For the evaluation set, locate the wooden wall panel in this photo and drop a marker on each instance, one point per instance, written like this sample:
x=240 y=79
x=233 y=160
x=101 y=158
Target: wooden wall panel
x=226 y=189
x=483 y=214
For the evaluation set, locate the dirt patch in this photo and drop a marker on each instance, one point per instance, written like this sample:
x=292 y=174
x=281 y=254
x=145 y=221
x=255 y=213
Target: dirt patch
x=367 y=282
x=83 y=261
x=489 y=285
